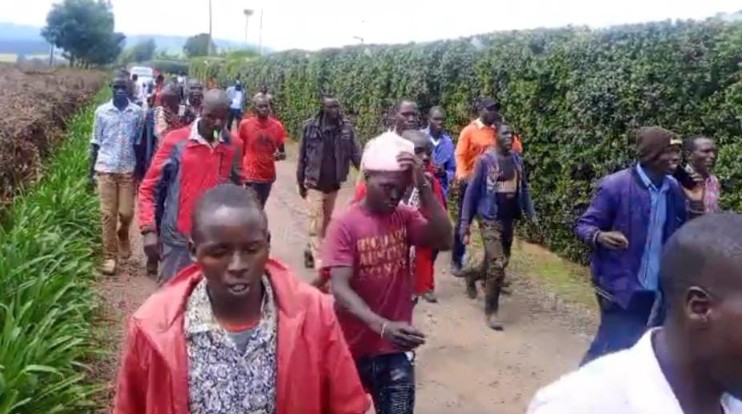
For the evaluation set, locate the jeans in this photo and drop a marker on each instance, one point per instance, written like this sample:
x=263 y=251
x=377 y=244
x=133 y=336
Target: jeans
x=262 y=190
x=174 y=259
x=620 y=328
x=457 y=255
x=390 y=379
x=232 y=115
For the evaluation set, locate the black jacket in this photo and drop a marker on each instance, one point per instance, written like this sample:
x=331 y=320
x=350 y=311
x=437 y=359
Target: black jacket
x=312 y=150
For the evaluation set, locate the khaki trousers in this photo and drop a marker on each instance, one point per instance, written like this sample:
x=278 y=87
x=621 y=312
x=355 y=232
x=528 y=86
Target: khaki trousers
x=116 y=192
x=321 y=205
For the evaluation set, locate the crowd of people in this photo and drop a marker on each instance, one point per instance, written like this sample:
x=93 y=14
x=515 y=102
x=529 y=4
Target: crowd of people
x=234 y=330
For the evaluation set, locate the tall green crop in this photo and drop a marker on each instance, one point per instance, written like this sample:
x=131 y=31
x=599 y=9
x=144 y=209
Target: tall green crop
x=46 y=273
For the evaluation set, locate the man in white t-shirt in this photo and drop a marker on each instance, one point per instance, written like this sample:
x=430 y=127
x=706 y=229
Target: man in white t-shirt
x=693 y=363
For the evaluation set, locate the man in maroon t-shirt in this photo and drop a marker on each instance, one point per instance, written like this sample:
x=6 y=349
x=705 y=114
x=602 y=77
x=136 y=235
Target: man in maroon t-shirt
x=367 y=252
x=262 y=144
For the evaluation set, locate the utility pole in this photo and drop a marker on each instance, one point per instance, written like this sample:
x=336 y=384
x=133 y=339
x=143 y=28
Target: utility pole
x=211 y=38
x=260 y=35
x=248 y=13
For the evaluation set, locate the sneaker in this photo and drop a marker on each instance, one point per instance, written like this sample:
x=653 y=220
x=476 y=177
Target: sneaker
x=456 y=270
x=430 y=297
x=109 y=267
x=494 y=322
x=124 y=248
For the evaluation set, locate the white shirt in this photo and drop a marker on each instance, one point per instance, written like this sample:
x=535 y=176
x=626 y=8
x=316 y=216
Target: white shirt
x=626 y=382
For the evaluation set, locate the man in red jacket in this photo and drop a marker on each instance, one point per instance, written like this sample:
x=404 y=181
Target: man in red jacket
x=237 y=332
x=190 y=161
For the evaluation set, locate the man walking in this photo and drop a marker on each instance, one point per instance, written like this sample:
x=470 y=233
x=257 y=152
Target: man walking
x=328 y=147
x=236 y=96
x=701 y=186
x=629 y=220
x=692 y=363
x=367 y=253
x=189 y=161
x=474 y=140
x=263 y=144
x=117 y=128
x=498 y=196
x=444 y=152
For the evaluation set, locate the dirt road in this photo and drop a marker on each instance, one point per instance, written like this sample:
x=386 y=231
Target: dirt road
x=464 y=366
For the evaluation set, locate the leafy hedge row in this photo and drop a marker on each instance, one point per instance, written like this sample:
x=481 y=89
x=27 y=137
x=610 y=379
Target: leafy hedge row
x=46 y=302
x=574 y=95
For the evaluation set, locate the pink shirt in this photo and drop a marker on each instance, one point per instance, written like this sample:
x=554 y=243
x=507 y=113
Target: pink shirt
x=378 y=250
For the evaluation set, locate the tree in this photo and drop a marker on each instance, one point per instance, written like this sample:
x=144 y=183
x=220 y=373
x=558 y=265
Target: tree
x=198 y=45
x=84 y=30
x=144 y=51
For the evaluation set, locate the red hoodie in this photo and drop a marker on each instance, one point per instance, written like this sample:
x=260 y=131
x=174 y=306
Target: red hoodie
x=316 y=373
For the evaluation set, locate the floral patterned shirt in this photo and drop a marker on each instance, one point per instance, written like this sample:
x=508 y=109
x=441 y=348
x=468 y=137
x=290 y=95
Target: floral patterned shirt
x=223 y=379
x=115 y=132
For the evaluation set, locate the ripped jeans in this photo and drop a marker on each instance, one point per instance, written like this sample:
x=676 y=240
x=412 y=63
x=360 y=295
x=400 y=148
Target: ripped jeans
x=390 y=379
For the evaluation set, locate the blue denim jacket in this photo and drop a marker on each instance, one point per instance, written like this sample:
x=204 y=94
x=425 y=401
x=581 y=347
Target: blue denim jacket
x=480 y=198
x=623 y=204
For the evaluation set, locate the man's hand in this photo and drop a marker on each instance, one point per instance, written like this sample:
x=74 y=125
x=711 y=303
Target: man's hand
x=440 y=172
x=412 y=163
x=149 y=242
x=302 y=191
x=465 y=235
x=612 y=240
x=403 y=335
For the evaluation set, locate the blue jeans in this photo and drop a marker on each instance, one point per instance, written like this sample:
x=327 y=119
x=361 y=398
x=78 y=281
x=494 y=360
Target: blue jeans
x=390 y=379
x=263 y=190
x=457 y=255
x=620 y=328
x=232 y=116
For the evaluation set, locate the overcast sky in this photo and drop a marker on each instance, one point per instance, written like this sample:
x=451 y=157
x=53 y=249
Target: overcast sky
x=313 y=24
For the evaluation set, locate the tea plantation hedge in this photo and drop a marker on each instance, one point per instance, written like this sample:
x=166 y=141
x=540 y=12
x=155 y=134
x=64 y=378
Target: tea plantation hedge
x=574 y=95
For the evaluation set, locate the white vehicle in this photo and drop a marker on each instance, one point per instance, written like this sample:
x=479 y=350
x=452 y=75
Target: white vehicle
x=146 y=75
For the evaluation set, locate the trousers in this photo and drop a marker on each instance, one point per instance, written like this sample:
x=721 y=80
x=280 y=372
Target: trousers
x=321 y=206
x=620 y=328
x=262 y=190
x=116 y=193
x=497 y=237
x=390 y=379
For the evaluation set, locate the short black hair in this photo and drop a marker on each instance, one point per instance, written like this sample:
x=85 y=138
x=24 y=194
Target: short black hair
x=225 y=195
x=689 y=143
x=436 y=108
x=707 y=240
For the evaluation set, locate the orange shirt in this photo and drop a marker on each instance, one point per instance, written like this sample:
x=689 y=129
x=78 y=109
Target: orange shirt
x=260 y=141
x=474 y=140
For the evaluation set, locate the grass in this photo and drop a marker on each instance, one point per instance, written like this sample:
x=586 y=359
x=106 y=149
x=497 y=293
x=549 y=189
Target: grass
x=47 y=245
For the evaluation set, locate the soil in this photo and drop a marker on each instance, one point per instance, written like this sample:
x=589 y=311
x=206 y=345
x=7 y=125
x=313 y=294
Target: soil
x=464 y=367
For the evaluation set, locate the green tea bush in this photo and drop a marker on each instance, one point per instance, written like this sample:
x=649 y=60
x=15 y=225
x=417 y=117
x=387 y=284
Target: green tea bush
x=573 y=94
x=46 y=271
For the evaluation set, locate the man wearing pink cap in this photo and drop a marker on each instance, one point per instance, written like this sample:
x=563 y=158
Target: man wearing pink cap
x=367 y=253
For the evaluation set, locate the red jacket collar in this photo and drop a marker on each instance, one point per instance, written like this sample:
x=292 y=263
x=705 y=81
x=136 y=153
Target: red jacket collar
x=161 y=317
x=166 y=306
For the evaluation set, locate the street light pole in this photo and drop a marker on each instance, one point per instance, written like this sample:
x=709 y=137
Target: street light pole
x=260 y=35
x=211 y=38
